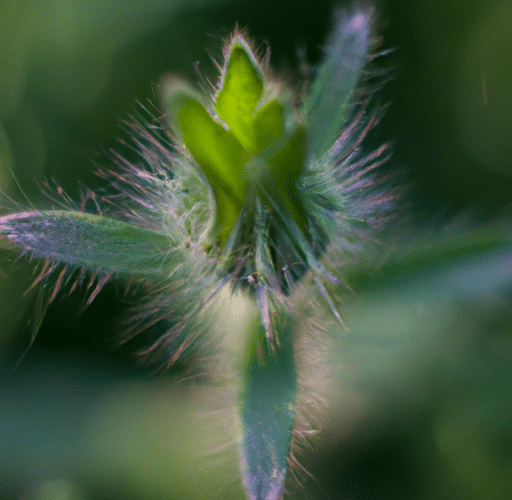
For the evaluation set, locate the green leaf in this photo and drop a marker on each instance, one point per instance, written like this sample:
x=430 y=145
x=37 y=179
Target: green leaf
x=82 y=239
x=424 y=318
x=427 y=253
x=267 y=407
x=331 y=94
x=242 y=88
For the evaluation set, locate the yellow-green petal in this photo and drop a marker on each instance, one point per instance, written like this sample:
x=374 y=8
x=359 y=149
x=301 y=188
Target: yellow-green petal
x=268 y=124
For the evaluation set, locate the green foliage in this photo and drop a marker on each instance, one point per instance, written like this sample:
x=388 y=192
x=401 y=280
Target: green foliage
x=293 y=201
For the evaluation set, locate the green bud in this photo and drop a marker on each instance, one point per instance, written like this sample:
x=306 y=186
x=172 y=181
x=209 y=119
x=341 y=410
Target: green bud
x=242 y=143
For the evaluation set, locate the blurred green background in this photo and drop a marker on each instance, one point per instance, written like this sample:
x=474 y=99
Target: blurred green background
x=419 y=400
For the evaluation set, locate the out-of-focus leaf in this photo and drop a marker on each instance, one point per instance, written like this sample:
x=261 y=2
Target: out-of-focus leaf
x=427 y=362
x=81 y=419
x=413 y=320
x=422 y=258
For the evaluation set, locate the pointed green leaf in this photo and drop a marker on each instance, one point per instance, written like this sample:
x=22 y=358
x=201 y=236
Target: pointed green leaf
x=242 y=88
x=267 y=407
x=328 y=101
x=82 y=239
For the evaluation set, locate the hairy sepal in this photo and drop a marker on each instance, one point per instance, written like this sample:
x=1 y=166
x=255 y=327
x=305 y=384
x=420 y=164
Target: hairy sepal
x=84 y=240
x=328 y=102
x=267 y=403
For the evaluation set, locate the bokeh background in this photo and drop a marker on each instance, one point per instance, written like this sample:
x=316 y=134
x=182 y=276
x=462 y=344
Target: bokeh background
x=421 y=390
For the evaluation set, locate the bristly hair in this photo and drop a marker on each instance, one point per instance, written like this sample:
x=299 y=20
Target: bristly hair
x=163 y=191
x=160 y=189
